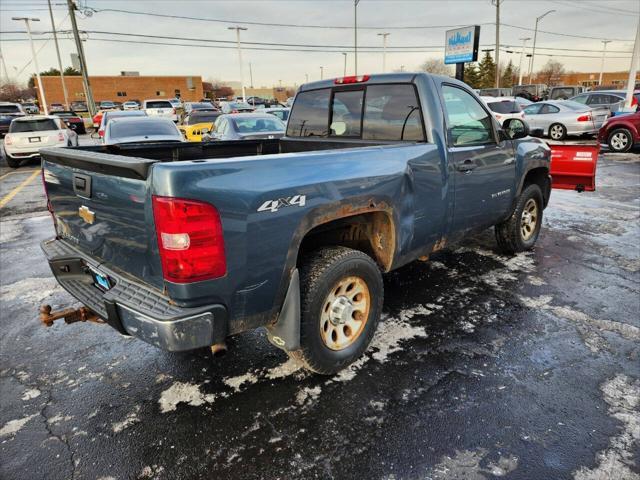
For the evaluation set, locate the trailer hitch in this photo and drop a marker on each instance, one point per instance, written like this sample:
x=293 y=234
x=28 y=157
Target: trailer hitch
x=70 y=315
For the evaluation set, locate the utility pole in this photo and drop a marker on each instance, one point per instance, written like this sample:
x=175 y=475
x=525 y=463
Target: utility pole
x=83 y=61
x=497 y=3
x=250 y=75
x=4 y=66
x=384 y=50
x=238 y=29
x=321 y=73
x=535 y=37
x=633 y=69
x=524 y=44
x=306 y=78
x=344 y=73
x=604 y=51
x=35 y=59
x=355 y=35
x=55 y=40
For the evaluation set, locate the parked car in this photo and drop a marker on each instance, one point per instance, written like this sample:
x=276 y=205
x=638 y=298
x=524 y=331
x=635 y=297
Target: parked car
x=141 y=129
x=107 y=105
x=503 y=108
x=113 y=114
x=160 y=108
x=559 y=118
x=611 y=100
x=247 y=126
x=235 y=107
x=56 y=107
x=280 y=112
x=73 y=121
x=495 y=92
x=534 y=92
x=27 y=135
x=621 y=133
x=30 y=108
x=523 y=102
x=8 y=112
x=97 y=119
x=296 y=235
x=130 y=105
x=189 y=106
x=289 y=102
x=564 y=92
x=198 y=123
x=176 y=102
x=79 y=106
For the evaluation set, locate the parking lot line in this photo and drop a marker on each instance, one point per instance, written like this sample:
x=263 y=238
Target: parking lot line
x=7 y=198
x=19 y=171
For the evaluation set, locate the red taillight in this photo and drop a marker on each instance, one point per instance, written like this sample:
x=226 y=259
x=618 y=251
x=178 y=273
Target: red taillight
x=101 y=133
x=634 y=101
x=584 y=118
x=173 y=111
x=352 y=79
x=190 y=239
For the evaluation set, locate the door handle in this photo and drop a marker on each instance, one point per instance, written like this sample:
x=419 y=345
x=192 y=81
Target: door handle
x=466 y=165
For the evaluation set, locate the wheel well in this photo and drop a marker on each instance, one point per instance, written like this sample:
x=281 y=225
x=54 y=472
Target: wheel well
x=372 y=233
x=539 y=176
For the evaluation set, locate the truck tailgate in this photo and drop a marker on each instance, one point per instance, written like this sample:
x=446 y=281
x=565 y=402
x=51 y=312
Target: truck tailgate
x=103 y=209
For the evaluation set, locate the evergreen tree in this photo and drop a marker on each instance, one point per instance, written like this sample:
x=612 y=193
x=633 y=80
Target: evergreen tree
x=506 y=79
x=487 y=71
x=471 y=75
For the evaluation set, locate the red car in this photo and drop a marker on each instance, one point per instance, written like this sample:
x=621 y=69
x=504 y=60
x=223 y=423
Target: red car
x=621 y=132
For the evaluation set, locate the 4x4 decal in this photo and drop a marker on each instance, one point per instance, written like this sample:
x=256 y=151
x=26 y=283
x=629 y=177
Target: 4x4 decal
x=274 y=205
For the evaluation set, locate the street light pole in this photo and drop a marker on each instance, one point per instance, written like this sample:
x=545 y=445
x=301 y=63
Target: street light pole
x=497 y=3
x=55 y=40
x=83 y=61
x=635 y=65
x=524 y=44
x=4 y=65
x=604 y=51
x=355 y=35
x=321 y=73
x=384 y=50
x=535 y=36
x=237 y=29
x=344 y=74
x=35 y=58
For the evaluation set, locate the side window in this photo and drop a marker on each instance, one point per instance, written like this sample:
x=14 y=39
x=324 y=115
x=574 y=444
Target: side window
x=546 y=108
x=581 y=99
x=468 y=123
x=596 y=100
x=310 y=114
x=532 y=109
x=346 y=113
x=392 y=112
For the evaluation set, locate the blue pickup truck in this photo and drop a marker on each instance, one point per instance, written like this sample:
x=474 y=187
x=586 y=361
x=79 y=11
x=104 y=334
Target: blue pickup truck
x=183 y=245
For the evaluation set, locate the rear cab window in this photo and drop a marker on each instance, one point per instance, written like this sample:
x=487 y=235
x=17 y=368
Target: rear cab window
x=382 y=112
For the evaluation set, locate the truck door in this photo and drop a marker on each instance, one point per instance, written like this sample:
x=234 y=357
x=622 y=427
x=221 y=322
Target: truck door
x=484 y=165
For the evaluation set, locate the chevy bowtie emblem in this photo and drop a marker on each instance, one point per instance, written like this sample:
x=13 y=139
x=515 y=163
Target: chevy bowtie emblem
x=86 y=214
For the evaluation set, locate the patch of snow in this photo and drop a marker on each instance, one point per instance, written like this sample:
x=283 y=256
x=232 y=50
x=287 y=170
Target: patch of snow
x=31 y=394
x=284 y=369
x=129 y=420
x=239 y=380
x=14 y=426
x=180 y=392
x=308 y=395
x=34 y=290
x=391 y=334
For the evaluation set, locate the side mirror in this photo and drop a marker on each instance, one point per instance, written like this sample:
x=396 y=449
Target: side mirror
x=515 y=128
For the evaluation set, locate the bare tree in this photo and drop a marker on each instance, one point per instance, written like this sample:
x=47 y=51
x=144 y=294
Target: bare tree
x=551 y=73
x=436 y=66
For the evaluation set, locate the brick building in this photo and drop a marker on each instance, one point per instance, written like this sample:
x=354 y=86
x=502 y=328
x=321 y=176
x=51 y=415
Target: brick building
x=123 y=88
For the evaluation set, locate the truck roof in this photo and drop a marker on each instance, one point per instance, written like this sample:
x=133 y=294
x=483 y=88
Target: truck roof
x=398 y=77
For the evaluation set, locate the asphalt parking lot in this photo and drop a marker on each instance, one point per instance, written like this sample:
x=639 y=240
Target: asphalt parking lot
x=484 y=366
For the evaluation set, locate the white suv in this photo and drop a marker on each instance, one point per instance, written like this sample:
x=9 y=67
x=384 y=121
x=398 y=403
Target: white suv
x=27 y=135
x=160 y=108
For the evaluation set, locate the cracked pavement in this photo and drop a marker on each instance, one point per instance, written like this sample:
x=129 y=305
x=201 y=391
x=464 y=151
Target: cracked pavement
x=483 y=366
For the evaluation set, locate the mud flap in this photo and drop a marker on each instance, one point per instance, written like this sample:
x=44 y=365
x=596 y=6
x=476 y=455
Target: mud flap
x=285 y=333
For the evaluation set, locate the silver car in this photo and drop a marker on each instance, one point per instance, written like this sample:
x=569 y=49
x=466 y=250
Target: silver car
x=247 y=126
x=559 y=118
x=611 y=100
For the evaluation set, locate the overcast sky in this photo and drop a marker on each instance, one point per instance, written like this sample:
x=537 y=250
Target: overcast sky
x=610 y=19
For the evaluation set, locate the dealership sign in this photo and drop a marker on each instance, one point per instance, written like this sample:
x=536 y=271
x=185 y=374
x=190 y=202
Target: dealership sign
x=462 y=45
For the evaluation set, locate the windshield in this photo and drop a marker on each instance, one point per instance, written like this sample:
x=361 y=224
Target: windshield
x=203 y=118
x=200 y=106
x=158 y=104
x=66 y=114
x=9 y=109
x=506 y=106
x=260 y=124
x=144 y=128
x=40 y=125
x=575 y=105
x=239 y=106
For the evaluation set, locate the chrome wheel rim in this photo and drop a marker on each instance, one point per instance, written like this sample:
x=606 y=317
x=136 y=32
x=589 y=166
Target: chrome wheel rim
x=556 y=132
x=345 y=313
x=529 y=219
x=619 y=141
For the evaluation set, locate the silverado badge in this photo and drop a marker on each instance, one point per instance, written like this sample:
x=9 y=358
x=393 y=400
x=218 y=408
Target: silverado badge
x=86 y=214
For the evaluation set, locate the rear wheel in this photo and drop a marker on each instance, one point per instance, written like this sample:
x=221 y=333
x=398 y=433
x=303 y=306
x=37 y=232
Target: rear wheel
x=341 y=301
x=557 y=131
x=620 y=140
x=12 y=162
x=520 y=231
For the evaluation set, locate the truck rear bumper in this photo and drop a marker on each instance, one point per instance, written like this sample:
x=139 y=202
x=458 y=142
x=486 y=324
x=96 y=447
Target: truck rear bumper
x=132 y=307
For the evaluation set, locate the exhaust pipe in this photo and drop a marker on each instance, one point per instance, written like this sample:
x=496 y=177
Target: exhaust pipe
x=219 y=349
